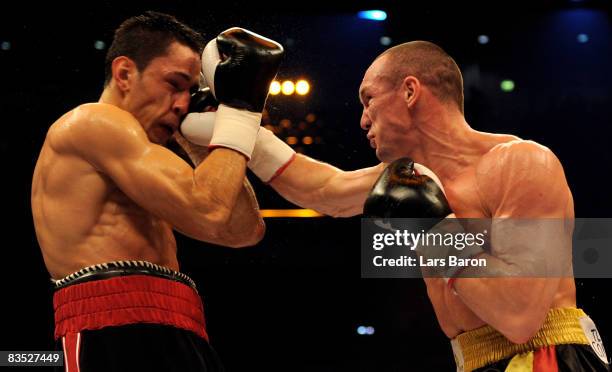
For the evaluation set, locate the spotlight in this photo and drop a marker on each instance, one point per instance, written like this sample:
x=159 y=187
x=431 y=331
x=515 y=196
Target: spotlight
x=275 y=88
x=302 y=87
x=483 y=39
x=373 y=15
x=5 y=45
x=507 y=85
x=385 y=40
x=288 y=87
x=582 y=38
x=99 y=44
x=311 y=117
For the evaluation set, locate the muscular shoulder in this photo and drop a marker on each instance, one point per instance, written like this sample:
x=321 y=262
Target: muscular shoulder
x=518 y=154
x=93 y=126
x=519 y=177
x=103 y=119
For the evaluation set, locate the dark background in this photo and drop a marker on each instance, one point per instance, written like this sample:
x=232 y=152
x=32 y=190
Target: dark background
x=294 y=302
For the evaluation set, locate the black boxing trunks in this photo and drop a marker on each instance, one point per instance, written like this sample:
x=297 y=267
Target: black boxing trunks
x=567 y=341
x=131 y=316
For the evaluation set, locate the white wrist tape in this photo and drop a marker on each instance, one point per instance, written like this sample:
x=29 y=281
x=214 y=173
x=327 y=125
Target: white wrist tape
x=235 y=129
x=270 y=156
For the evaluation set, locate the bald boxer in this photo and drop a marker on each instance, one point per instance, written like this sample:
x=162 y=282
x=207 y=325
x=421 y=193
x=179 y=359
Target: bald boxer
x=107 y=194
x=412 y=97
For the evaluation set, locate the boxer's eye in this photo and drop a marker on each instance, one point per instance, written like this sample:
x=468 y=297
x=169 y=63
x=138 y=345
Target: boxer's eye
x=174 y=85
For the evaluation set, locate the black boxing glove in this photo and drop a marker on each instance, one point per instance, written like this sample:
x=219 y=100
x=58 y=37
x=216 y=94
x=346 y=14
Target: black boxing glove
x=241 y=79
x=203 y=101
x=197 y=127
x=239 y=66
x=400 y=192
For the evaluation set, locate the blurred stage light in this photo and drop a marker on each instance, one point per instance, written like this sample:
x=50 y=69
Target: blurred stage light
x=288 y=87
x=307 y=140
x=292 y=140
x=99 y=44
x=483 y=39
x=385 y=40
x=5 y=45
x=310 y=118
x=304 y=213
x=373 y=15
x=302 y=87
x=507 y=85
x=285 y=123
x=582 y=38
x=275 y=88
x=363 y=330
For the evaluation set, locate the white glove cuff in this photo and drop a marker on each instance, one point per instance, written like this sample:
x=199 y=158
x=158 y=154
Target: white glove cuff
x=270 y=156
x=235 y=129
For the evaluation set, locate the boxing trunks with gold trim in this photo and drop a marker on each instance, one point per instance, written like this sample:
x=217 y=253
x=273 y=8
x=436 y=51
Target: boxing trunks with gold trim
x=567 y=341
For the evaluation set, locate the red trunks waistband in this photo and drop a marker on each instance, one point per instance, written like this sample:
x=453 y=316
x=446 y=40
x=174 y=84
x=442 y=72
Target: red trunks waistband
x=127 y=300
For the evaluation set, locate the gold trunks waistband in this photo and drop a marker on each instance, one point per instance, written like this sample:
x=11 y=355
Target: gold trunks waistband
x=482 y=346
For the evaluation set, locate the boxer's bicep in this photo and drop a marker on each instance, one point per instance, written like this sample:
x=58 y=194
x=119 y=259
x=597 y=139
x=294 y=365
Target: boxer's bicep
x=150 y=175
x=530 y=202
x=523 y=189
x=528 y=198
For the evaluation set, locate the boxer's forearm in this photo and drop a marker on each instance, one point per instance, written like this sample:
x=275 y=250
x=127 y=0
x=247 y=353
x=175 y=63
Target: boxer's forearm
x=245 y=227
x=515 y=306
x=325 y=188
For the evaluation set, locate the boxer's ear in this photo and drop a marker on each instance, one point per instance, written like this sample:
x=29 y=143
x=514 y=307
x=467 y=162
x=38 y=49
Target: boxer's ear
x=123 y=70
x=411 y=89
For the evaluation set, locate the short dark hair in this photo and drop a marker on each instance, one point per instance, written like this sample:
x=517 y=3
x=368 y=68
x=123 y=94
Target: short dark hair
x=144 y=37
x=431 y=65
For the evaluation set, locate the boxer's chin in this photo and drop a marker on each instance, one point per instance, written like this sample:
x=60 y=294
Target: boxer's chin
x=384 y=155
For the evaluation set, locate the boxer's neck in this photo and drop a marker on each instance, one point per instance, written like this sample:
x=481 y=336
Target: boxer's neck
x=447 y=144
x=111 y=96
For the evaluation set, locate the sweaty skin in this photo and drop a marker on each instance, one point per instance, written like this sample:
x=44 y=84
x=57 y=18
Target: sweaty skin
x=484 y=175
x=507 y=178
x=518 y=179
x=104 y=188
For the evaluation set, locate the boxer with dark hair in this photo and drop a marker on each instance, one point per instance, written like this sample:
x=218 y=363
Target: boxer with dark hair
x=107 y=194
